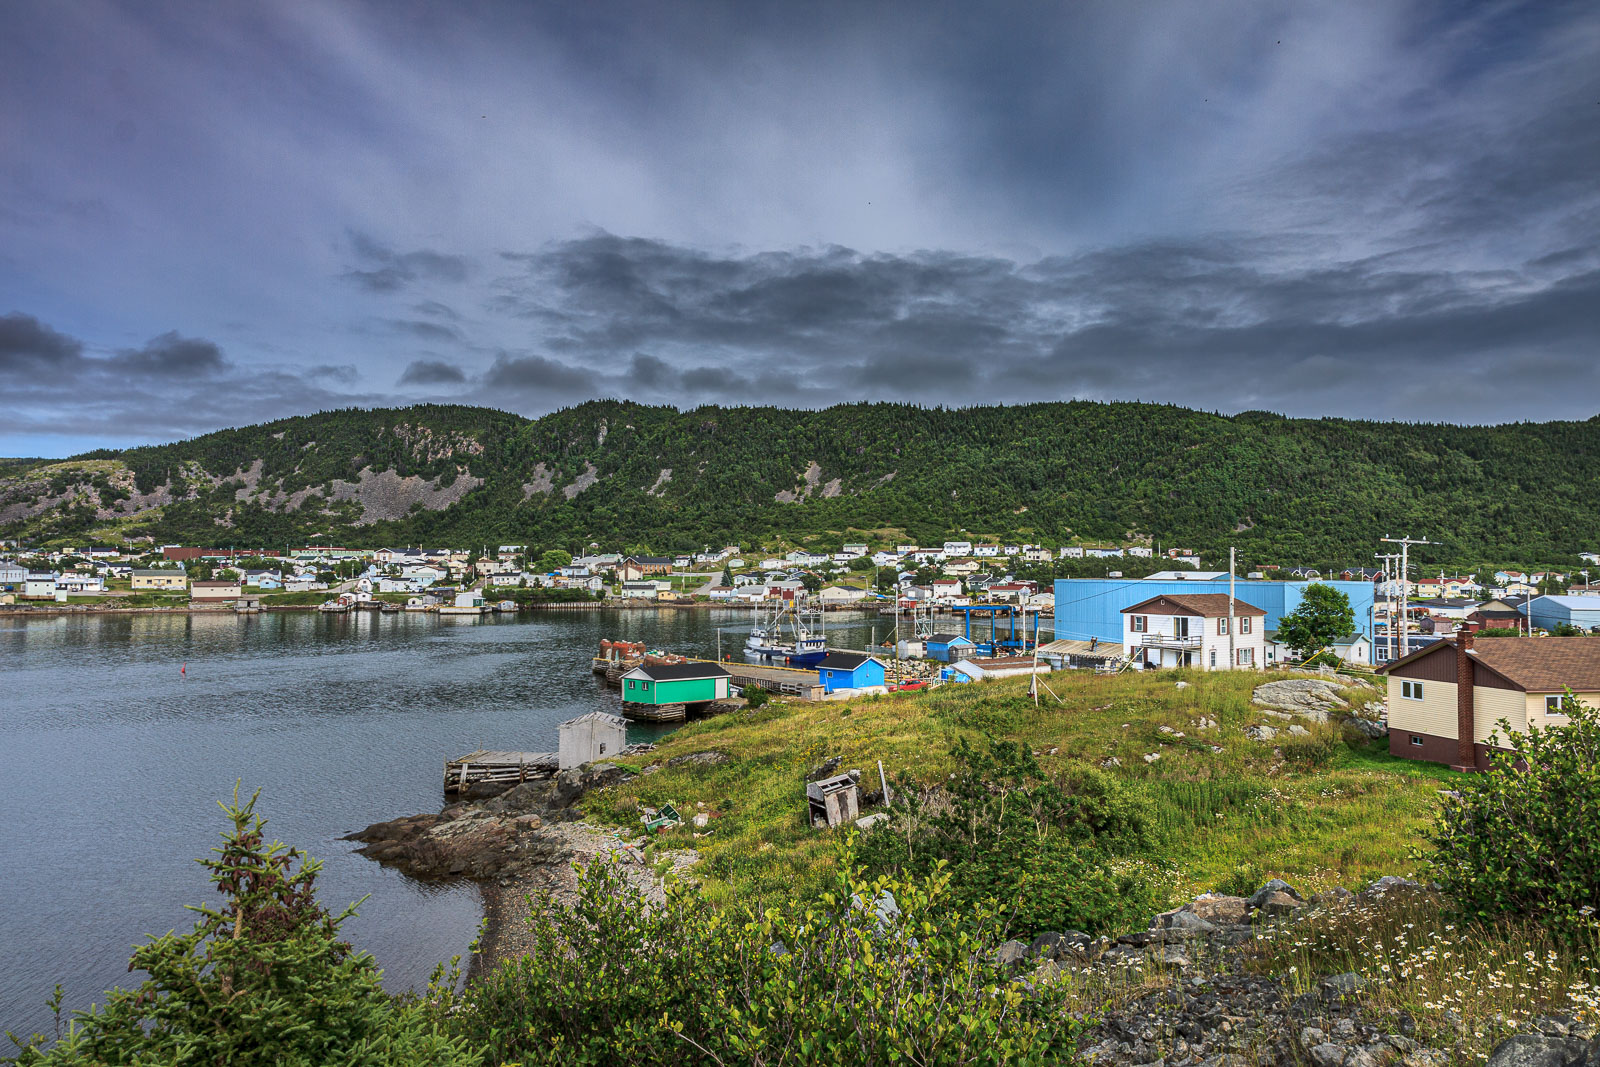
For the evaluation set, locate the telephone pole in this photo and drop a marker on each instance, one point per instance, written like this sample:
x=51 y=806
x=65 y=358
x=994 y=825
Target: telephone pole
x=1233 y=656
x=1389 y=560
x=1405 y=544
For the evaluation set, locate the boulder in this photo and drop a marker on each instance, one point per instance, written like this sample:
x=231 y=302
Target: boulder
x=1260 y=733
x=707 y=759
x=1011 y=953
x=1182 y=919
x=1219 y=909
x=1274 y=885
x=826 y=769
x=1072 y=944
x=1544 y=1050
x=1313 y=698
x=1279 y=904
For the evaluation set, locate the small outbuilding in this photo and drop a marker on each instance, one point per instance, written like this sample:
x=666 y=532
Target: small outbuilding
x=833 y=801
x=948 y=648
x=663 y=691
x=851 y=670
x=590 y=737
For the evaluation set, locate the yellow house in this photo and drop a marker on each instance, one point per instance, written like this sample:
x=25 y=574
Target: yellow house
x=1434 y=716
x=160 y=579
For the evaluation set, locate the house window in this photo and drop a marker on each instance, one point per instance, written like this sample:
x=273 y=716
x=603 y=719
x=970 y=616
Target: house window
x=1247 y=657
x=1416 y=741
x=1244 y=625
x=1140 y=623
x=1222 y=627
x=1411 y=690
x=1552 y=706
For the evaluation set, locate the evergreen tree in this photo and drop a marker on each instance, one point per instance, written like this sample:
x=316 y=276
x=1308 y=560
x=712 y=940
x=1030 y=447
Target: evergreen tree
x=262 y=980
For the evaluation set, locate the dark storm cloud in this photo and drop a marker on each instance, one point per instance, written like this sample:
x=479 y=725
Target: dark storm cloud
x=1224 y=324
x=170 y=356
x=29 y=346
x=536 y=378
x=383 y=270
x=171 y=386
x=432 y=372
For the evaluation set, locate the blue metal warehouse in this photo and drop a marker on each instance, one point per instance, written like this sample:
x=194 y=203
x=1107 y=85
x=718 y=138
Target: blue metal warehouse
x=1092 y=607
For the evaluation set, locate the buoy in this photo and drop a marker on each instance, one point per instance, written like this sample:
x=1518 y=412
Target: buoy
x=184 y=670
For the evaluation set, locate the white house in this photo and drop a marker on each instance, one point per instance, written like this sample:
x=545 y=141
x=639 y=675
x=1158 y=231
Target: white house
x=642 y=590
x=1072 y=552
x=986 y=551
x=958 y=548
x=39 y=586
x=1035 y=554
x=835 y=595
x=1191 y=630
x=855 y=550
x=76 y=582
x=1140 y=552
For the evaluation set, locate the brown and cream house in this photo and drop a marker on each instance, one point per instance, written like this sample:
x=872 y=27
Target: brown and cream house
x=1446 y=700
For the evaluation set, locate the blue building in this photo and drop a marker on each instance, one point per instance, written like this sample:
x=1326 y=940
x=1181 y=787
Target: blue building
x=1092 y=607
x=850 y=670
x=1548 y=612
x=948 y=648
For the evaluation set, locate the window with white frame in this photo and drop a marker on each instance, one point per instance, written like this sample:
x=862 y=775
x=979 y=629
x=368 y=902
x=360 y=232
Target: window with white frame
x=1140 y=623
x=1222 y=627
x=1244 y=625
x=1247 y=656
x=1411 y=690
x=1553 y=705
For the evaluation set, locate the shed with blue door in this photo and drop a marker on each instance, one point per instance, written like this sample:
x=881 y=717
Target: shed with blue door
x=948 y=648
x=851 y=670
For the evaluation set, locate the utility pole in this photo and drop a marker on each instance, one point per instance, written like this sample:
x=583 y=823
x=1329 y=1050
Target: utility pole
x=1405 y=544
x=1388 y=594
x=1233 y=656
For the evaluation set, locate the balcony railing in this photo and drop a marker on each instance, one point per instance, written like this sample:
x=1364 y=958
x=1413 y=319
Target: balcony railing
x=1169 y=641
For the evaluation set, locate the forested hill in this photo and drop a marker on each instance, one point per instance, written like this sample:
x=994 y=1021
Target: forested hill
x=624 y=474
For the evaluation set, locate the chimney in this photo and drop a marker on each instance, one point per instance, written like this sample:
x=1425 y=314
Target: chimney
x=1466 y=717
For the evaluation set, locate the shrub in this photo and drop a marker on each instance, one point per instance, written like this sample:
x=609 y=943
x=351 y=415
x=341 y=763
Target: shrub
x=262 y=980
x=1524 y=838
x=1035 y=848
x=616 y=980
x=754 y=696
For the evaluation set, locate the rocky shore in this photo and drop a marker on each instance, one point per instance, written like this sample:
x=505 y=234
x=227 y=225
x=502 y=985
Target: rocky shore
x=517 y=844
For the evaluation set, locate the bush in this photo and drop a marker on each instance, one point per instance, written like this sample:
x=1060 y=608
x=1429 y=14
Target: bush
x=1034 y=849
x=262 y=980
x=754 y=696
x=616 y=980
x=1524 y=838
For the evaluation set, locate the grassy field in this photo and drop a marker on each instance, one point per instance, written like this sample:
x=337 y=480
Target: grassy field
x=1318 y=810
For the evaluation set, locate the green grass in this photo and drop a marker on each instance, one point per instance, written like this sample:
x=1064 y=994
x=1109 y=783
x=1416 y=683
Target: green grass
x=1318 y=810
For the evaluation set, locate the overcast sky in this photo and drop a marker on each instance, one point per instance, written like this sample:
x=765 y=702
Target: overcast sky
x=217 y=214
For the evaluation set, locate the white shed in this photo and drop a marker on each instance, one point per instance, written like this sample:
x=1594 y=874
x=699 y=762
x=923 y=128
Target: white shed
x=590 y=737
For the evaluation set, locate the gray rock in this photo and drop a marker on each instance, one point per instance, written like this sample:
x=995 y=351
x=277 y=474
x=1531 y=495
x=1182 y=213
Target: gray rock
x=1326 y=1054
x=1298 y=731
x=1182 y=920
x=1343 y=985
x=1260 y=733
x=1539 y=1050
x=1312 y=698
x=1011 y=953
x=1274 y=885
x=1071 y=944
x=1392 y=881
x=826 y=769
x=1219 y=908
x=711 y=759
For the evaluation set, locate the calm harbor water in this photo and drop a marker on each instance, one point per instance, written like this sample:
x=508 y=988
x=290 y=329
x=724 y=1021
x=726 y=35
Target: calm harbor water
x=116 y=761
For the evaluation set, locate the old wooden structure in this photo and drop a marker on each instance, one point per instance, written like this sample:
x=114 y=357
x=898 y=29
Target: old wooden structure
x=484 y=766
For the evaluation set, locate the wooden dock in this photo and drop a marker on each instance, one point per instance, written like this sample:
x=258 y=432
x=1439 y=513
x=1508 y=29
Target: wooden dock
x=462 y=773
x=790 y=681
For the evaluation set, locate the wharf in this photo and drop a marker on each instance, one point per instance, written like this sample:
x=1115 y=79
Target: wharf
x=463 y=772
x=790 y=681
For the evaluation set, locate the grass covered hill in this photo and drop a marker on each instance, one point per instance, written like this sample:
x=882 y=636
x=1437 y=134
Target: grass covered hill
x=625 y=474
